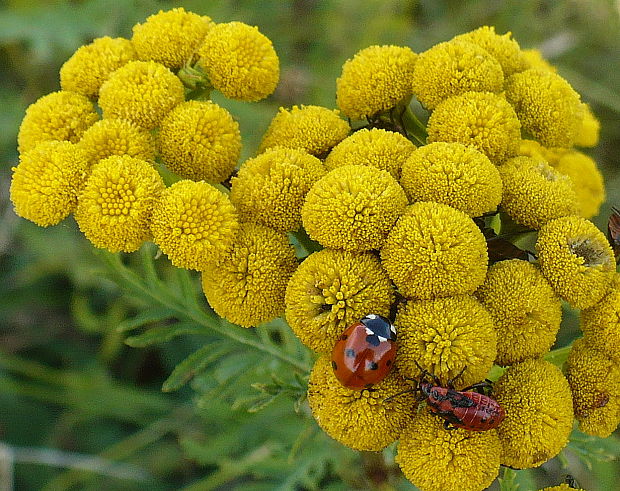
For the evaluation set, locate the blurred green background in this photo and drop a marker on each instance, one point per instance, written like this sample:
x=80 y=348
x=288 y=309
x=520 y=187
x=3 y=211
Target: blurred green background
x=79 y=409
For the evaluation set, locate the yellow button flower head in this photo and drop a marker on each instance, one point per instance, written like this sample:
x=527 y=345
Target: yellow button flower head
x=194 y=224
x=577 y=259
x=525 y=309
x=60 y=115
x=433 y=458
x=480 y=119
x=588 y=134
x=547 y=106
x=385 y=150
x=314 y=129
x=247 y=287
x=359 y=419
x=200 y=140
x=142 y=92
x=594 y=379
x=453 y=68
x=562 y=487
x=270 y=189
x=535 y=193
x=114 y=209
x=532 y=148
x=91 y=65
x=587 y=181
x=435 y=251
x=445 y=336
x=109 y=137
x=601 y=322
x=534 y=59
x=46 y=182
x=240 y=61
x=376 y=79
x=505 y=49
x=170 y=38
x=353 y=208
x=539 y=413
x=331 y=290
x=455 y=175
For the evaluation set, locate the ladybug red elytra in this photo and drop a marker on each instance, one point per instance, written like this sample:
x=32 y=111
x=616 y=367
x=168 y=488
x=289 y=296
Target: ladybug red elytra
x=365 y=352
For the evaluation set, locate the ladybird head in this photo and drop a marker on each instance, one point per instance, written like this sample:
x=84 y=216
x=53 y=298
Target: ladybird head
x=378 y=328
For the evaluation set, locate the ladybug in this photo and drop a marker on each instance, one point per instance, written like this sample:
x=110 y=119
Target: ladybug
x=613 y=231
x=365 y=352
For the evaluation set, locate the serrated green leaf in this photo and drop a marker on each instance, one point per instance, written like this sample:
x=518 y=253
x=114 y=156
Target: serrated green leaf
x=194 y=364
x=164 y=334
x=146 y=317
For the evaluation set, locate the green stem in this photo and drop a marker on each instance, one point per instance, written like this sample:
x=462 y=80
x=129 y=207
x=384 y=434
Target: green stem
x=413 y=125
x=304 y=240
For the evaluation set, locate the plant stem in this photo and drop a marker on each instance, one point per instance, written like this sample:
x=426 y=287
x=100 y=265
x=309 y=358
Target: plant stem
x=413 y=125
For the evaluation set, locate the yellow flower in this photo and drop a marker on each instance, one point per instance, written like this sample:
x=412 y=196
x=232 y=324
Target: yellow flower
x=359 y=419
x=114 y=208
x=200 y=140
x=535 y=193
x=314 y=129
x=588 y=134
x=434 y=458
x=455 y=175
x=534 y=59
x=385 y=150
x=109 y=137
x=60 y=116
x=453 y=68
x=91 y=65
x=194 y=224
x=562 y=487
x=532 y=148
x=247 y=287
x=142 y=92
x=170 y=38
x=539 y=413
x=546 y=105
x=587 y=181
x=577 y=260
x=435 y=251
x=376 y=79
x=240 y=61
x=601 y=322
x=502 y=47
x=270 y=189
x=445 y=336
x=479 y=119
x=525 y=309
x=594 y=379
x=46 y=182
x=353 y=208
x=331 y=290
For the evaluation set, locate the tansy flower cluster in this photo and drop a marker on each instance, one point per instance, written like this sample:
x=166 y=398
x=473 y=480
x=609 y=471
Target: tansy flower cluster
x=388 y=217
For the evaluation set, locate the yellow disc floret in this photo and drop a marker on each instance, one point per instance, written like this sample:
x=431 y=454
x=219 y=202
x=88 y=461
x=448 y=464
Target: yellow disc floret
x=353 y=208
x=46 y=182
x=200 y=140
x=588 y=133
x=194 y=224
x=601 y=322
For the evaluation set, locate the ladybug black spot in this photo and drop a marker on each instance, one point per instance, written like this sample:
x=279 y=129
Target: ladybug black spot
x=349 y=353
x=388 y=363
x=343 y=337
x=371 y=365
x=334 y=366
x=367 y=386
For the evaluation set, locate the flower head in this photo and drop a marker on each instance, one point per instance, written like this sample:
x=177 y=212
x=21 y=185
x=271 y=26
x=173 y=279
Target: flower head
x=385 y=150
x=46 y=182
x=432 y=457
x=314 y=129
x=240 y=61
x=170 y=38
x=353 y=208
x=525 y=310
x=455 y=175
x=331 y=290
x=271 y=188
x=588 y=134
x=480 y=119
x=91 y=65
x=359 y=419
x=114 y=208
x=539 y=413
x=535 y=193
x=446 y=336
x=247 y=287
x=200 y=140
x=453 y=68
x=532 y=148
x=60 y=116
x=142 y=92
x=435 y=251
x=546 y=105
x=601 y=322
x=562 y=487
x=577 y=259
x=194 y=224
x=376 y=79
x=534 y=59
